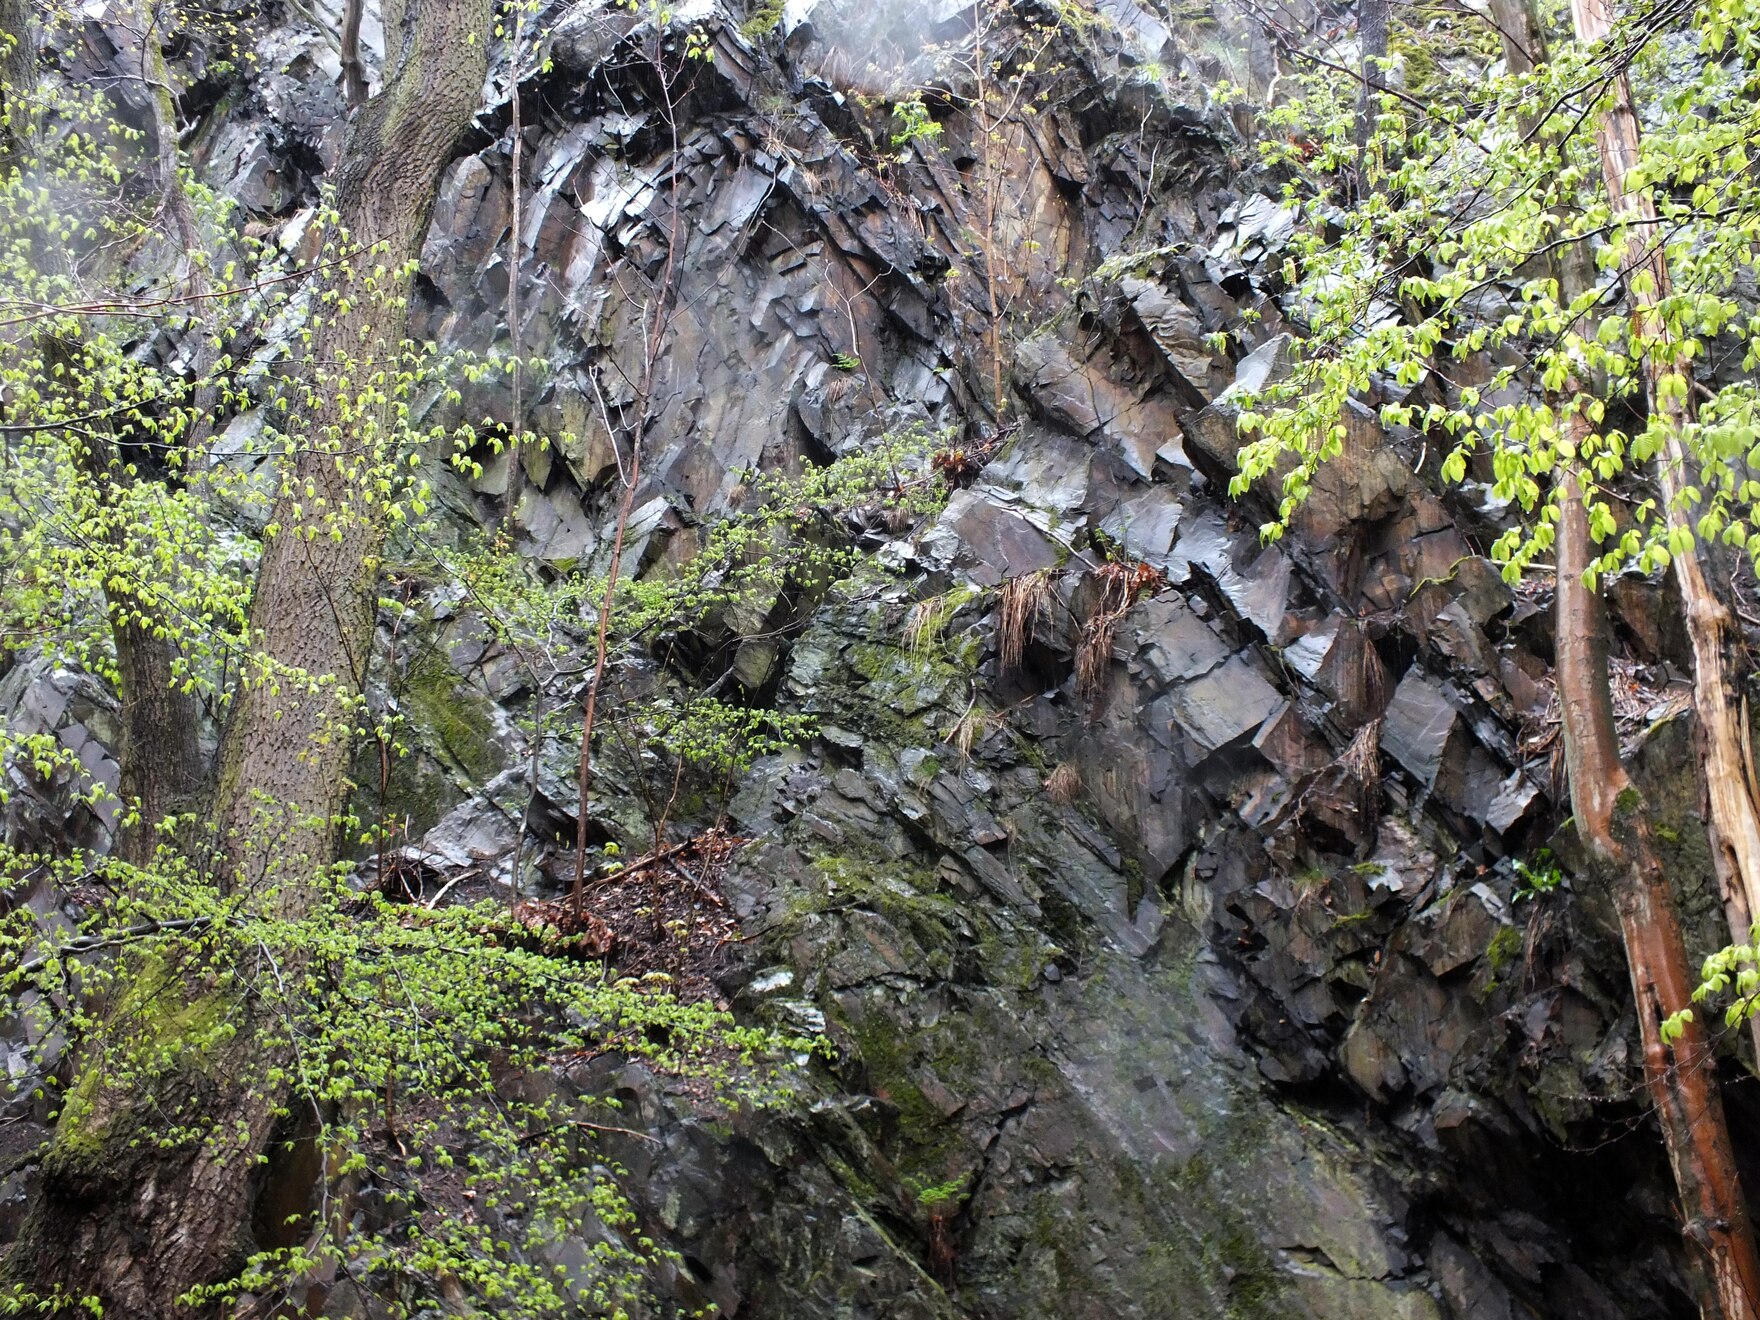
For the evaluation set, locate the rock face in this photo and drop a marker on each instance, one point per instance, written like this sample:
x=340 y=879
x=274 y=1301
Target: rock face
x=1205 y=989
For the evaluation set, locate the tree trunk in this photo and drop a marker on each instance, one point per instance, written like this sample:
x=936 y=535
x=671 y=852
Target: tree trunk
x=18 y=71
x=163 y=771
x=1520 y=31
x=1613 y=825
x=1734 y=815
x=354 y=71
x=137 y=1226
x=1372 y=22
x=516 y=474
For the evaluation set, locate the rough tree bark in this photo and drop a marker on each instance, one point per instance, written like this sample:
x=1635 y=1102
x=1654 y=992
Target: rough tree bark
x=1373 y=17
x=136 y=1225
x=1613 y=825
x=1734 y=815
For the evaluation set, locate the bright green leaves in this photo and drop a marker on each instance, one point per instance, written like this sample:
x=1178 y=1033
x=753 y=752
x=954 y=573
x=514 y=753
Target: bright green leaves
x=1733 y=972
x=397 y=1034
x=915 y=124
x=1445 y=307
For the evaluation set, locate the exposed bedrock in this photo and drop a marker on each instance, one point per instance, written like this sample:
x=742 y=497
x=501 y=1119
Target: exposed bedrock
x=1250 y=1011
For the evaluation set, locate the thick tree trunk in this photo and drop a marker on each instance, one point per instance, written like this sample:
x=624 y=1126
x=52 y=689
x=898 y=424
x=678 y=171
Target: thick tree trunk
x=137 y=1226
x=1734 y=815
x=1613 y=825
x=315 y=599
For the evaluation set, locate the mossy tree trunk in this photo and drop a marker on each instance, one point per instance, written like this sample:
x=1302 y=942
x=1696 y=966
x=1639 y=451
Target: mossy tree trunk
x=137 y=1223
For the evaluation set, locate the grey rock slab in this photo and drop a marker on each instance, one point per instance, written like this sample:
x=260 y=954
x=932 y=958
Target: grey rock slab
x=1228 y=703
x=992 y=544
x=1174 y=645
x=1253 y=229
x=558 y=527
x=1145 y=525
x=1177 y=329
x=1416 y=727
x=1046 y=470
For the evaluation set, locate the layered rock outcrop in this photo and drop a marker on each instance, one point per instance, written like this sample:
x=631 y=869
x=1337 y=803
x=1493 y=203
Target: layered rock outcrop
x=1208 y=988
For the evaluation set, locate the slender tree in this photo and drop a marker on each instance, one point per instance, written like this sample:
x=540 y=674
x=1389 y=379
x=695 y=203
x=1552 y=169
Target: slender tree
x=1613 y=825
x=1373 y=17
x=163 y=769
x=1523 y=205
x=1733 y=815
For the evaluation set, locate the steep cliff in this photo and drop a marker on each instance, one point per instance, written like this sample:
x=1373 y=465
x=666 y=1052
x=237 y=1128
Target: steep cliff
x=1181 y=966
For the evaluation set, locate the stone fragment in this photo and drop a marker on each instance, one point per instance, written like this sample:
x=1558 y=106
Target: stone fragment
x=1417 y=725
x=1227 y=703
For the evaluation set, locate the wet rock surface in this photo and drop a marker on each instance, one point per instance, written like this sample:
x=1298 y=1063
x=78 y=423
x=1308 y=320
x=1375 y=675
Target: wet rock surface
x=1252 y=1014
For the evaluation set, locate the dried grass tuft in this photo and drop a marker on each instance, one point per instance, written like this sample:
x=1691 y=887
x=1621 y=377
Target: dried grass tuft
x=1120 y=583
x=1064 y=784
x=1023 y=601
x=1362 y=759
x=1094 y=654
x=972 y=728
x=922 y=630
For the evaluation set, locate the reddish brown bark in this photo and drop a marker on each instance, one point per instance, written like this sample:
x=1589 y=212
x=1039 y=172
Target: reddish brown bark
x=1734 y=816
x=1613 y=824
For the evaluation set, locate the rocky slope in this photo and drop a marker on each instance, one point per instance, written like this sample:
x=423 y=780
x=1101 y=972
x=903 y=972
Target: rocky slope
x=1205 y=986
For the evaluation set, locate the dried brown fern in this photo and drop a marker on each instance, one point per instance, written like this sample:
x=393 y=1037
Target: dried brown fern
x=1120 y=582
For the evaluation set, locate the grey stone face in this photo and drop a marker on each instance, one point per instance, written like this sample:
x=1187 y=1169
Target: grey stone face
x=1244 y=1020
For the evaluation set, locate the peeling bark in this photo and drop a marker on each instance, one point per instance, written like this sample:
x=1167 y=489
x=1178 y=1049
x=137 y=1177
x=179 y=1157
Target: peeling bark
x=1733 y=814
x=1613 y=824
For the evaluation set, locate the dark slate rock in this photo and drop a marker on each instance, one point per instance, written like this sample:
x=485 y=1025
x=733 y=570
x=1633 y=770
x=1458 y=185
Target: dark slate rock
x=1227 y=703
x=1417 y=725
